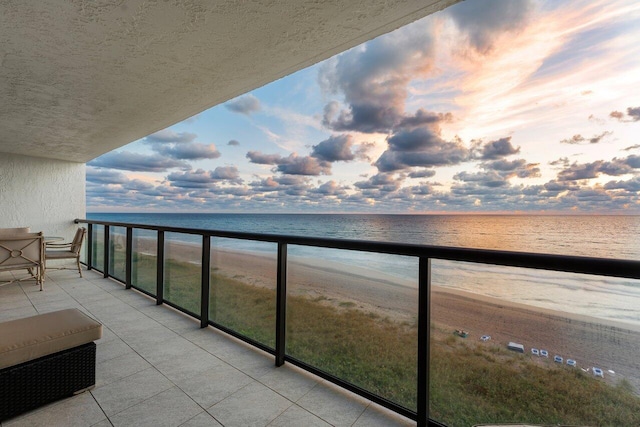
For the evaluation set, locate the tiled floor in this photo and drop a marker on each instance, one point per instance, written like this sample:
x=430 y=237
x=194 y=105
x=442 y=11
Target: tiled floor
x=156 y=367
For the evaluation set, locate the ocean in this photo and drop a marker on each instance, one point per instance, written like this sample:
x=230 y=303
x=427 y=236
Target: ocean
x=596 y=236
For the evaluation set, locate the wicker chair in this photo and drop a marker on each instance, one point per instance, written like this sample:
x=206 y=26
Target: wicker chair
x=66 y=250
x=23 y=251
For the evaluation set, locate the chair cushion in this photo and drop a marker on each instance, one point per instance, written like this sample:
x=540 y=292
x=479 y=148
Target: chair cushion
x=29 y=338
x=59 y=254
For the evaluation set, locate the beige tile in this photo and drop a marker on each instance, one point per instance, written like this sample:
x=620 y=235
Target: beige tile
x=81 y=410
x=337 y=407
x=164 y=349
x=167 y=409
x=129 y=391
x=188 y=365
x=111 y=350
x=253 y=405
x=120 y=367
x=296 y=416
x=211 y=386
x=203 y=419
x=375 y=415
x=288 y=381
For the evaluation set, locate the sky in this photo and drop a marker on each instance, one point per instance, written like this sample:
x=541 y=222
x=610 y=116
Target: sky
x=489 y=106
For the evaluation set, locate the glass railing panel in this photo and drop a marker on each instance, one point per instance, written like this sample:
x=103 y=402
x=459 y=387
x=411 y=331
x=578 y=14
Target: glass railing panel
x=532 y=346
x=243 y=287
x=118 y=252
x=97 y=247
x=144 y=260
x=354 y=315
x=183 y=270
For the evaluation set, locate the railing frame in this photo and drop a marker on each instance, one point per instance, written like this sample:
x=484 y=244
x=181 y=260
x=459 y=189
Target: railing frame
x=424 y=253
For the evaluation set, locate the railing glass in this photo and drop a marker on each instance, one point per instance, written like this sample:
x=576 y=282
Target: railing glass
x=513 y=344
x=182 y=270
x=144 y=260
x=97 y=247
x=353 y=321
x=118 y=252
x=243 y=288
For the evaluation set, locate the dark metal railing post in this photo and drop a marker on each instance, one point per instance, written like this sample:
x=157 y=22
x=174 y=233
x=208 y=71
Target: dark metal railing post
x=106 y=249
x=281 y=303
x=204 y=287
x=129 y=258
x=424 y=294
x=90 y=246
x=160 y=269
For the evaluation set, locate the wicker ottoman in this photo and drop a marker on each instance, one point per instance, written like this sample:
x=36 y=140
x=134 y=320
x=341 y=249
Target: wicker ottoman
x=45 y=358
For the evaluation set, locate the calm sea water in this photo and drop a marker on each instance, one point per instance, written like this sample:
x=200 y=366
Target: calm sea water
x=597 y=236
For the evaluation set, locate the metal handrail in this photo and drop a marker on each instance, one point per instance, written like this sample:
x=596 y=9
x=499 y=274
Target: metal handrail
x=425 y=253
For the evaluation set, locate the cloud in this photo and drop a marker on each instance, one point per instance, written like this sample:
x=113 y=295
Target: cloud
x=168 y=136
x=512 y=168
x=420 y=147
x=245 y=105
x=499 y=148
x=633 y=115
x=385 y=182
x=190 y=151
x=295 y=165
x=632 y=185
x=483 y=21
x=233 y=142
x=423 y=173
x=562 y=161
x=334 y=149
x=615 y=167
x=105 y=176
x=330 y=188
x=579 y=139
x=632 y=147
x=490 y=179
x=373 y=79
x=136 y=162
x=204 y=179
x=263 y=159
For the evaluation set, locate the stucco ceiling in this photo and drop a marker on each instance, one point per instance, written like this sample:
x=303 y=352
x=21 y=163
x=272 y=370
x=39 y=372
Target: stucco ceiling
x=81 y=78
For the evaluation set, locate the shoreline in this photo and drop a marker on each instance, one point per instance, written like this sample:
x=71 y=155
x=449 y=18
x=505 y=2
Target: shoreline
x=590 y=341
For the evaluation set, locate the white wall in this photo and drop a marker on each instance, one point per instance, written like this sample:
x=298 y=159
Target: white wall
x=46 y=195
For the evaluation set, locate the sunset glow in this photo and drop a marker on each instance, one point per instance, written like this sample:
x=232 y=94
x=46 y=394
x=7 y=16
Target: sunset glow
x=487 y=106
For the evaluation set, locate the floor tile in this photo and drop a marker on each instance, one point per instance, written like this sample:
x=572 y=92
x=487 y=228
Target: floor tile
x=289 y=382
x=129 y=391
x=167 y=409
x=253 y=405
x=378 y=416
x=334 y=406
x=80 y=410
x=203 y=419
x=120 y=367
x=296 y=416
x=214 y=385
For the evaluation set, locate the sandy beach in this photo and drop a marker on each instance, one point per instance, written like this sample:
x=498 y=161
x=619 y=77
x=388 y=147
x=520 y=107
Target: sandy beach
x=590 y=341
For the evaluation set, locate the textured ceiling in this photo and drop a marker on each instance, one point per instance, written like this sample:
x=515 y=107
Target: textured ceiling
x=81 y=78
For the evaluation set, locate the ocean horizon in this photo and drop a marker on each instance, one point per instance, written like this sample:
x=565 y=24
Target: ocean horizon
x=603 y=236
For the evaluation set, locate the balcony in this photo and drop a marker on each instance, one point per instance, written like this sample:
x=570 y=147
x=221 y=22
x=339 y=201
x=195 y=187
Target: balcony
x=181 y=327
x=156 y=366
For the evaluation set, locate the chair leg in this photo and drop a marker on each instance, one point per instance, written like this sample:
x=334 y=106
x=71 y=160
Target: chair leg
x=79 y=269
